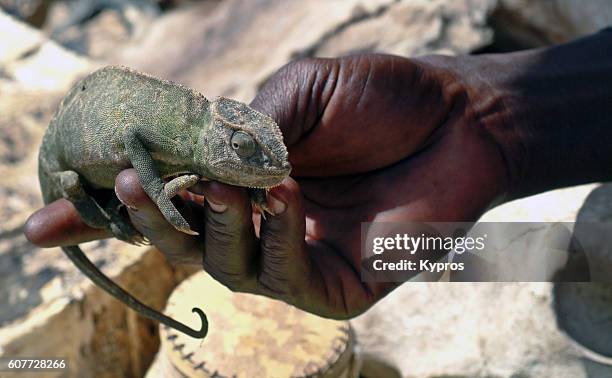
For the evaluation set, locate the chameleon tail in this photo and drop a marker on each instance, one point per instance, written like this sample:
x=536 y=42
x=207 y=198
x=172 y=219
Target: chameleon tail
x=90 y=270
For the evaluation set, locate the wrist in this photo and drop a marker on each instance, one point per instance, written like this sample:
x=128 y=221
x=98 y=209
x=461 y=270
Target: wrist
x=478 y=102
x=549 y=110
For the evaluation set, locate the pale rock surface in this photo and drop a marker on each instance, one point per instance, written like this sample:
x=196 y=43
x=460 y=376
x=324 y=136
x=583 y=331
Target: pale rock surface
x=107 y=29
x=30 y=60
x=22 y=9
x=24 y=38
x=500 y=329
x=231 y=48
x=48 y=67
x=98 y=37
x=97 y=334
x=411 y=28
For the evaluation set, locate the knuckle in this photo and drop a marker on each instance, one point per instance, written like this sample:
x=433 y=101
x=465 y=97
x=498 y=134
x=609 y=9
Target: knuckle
x=300 y=65
x=275 y=286
x=237 y=282
x=275 y=281
x=227 y=246
x=294 y=95
x=274 y=245
x=300 y=74
x=220 y=232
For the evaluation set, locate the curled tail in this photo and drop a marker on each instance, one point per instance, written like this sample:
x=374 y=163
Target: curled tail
x=90 y=270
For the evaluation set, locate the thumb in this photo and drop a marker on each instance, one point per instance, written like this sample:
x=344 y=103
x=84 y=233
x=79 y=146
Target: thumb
x=297 y=94
x=337 y=114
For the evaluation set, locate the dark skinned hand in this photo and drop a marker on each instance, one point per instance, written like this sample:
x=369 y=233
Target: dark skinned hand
x=370 y=138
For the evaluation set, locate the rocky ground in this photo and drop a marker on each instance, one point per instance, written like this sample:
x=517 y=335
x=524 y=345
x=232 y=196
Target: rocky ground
x=229 y=48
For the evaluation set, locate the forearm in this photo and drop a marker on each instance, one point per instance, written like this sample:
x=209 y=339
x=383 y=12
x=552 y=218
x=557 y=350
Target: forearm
x=550 y=111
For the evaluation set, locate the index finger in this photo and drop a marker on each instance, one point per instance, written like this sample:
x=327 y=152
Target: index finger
x=59 y=224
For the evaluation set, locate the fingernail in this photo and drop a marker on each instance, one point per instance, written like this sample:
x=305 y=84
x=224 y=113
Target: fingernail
x=123 y=202
x=216 y=207
x=276 y=205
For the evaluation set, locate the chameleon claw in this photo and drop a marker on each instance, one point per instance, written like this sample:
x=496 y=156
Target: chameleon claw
x=188 y=231
x=263 y=208
x=139 y=240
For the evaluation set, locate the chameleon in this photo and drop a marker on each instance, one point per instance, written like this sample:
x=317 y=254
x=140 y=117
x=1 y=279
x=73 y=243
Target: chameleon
x=117 y=118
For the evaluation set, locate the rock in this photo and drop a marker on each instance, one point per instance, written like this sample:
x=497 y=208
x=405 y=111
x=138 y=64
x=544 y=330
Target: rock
x=500 y=329
x=97 y=28
x=32 y=11
x=49 y=67
x=98 y=37
x=467 y=330
x=538 y=23
x=24 y=39
x=36 y=63
x=22 y=115
x=96 y=333
x=413 y=28
x=230 y=49
x=584 y=311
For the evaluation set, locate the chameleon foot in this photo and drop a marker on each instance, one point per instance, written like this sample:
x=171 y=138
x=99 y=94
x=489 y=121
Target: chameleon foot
x=120 y=225
x=135 y=237
x=173 y=216
x=177 y=184
x=263 y=209
x=259 y=202
x=187 y=231
x=171 y=189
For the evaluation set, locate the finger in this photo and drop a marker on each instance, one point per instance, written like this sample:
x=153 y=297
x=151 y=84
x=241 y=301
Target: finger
x=230 y=242
x=312 y=274
x=59 y=224
x=178 y=247
x=286 y=268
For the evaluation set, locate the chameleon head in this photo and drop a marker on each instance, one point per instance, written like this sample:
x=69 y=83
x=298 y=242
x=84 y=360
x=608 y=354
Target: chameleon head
x=243 y=146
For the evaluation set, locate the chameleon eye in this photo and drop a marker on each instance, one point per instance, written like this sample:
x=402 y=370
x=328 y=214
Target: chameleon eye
x=243 y=144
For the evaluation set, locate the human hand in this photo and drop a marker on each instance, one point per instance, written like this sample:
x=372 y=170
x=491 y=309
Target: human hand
x=370 y=138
